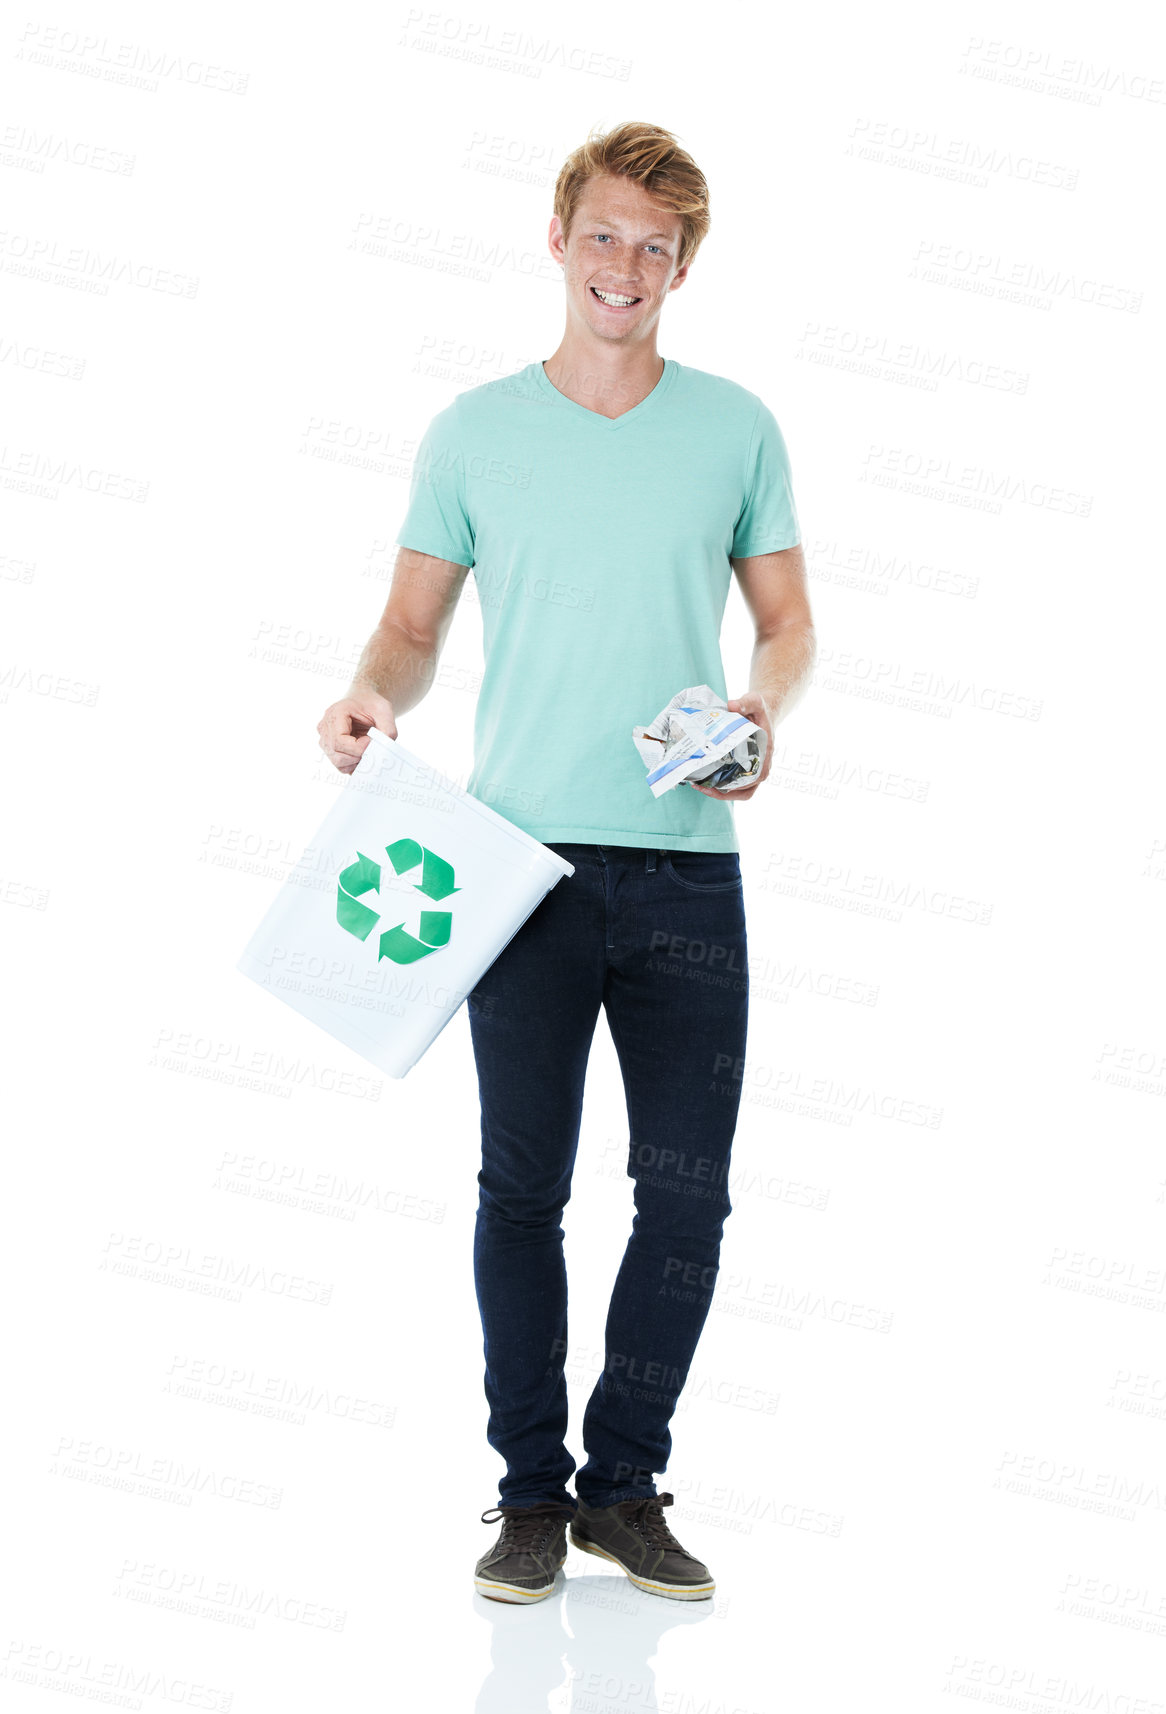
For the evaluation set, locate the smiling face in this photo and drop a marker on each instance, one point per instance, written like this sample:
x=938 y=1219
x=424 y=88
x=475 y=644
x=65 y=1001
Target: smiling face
x=619 y=261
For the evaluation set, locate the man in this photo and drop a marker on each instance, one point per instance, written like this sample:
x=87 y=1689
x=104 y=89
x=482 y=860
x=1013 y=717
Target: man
x=601 y=498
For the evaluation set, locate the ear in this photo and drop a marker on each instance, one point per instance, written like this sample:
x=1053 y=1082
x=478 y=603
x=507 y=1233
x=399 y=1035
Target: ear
x=555 y=240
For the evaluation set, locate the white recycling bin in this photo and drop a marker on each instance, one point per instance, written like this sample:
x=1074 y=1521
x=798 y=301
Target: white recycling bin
x=405 y=898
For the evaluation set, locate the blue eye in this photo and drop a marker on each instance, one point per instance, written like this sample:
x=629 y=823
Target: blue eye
x=654 y=247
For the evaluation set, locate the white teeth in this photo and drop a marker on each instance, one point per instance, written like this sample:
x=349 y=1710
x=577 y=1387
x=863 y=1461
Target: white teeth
x=614 y=298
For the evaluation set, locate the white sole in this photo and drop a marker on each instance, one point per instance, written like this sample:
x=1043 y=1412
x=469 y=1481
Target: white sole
x=495 y=1591
x=697 y=1592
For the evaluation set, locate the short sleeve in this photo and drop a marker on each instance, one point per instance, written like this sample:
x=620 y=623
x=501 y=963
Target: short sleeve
x=768 y=520
x=436 y=519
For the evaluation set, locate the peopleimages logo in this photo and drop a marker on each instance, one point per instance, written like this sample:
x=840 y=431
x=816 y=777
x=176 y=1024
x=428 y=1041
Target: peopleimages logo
x=364 y=876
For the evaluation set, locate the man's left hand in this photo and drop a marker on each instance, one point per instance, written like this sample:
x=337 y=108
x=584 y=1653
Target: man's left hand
x=752 y=706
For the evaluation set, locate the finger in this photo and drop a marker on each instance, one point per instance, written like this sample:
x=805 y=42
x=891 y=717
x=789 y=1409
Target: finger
x=333 y=729
x=346 y=763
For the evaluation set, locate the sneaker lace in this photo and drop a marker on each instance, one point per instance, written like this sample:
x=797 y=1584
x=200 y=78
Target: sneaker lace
x=646 y=1517
x=525 y=1529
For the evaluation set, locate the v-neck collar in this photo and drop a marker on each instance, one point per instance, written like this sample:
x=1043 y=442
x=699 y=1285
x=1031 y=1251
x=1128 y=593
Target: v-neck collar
x=647 y=403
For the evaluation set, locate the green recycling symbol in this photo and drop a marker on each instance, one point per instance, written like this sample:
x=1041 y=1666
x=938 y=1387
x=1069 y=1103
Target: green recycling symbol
x=364 y=876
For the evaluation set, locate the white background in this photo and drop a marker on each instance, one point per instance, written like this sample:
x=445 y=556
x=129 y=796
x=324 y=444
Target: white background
x=922 y=1445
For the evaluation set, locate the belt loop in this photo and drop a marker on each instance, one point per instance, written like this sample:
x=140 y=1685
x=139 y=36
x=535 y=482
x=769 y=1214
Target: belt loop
x=651 y=866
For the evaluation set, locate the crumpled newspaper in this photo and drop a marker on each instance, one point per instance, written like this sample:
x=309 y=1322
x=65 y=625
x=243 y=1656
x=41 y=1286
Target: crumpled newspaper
x=696 y=738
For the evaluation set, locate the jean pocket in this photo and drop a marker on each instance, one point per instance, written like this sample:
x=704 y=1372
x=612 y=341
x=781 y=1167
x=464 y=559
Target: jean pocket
x=704 y=871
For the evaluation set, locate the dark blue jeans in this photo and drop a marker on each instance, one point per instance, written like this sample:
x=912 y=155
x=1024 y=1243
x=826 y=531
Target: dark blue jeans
x=657 y=938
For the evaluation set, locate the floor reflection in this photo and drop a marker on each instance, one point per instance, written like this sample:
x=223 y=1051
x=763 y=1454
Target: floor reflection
x=586 y=1649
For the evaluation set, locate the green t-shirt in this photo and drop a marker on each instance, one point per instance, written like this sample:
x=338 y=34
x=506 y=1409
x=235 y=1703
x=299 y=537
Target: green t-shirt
x=600 y=548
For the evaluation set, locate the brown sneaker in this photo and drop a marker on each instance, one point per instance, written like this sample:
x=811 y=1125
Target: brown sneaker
x=522 y=1564
x=633 y=1534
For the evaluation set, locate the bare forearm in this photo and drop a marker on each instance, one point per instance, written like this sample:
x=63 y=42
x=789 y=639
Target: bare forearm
x=397 y=665
x=782 y=664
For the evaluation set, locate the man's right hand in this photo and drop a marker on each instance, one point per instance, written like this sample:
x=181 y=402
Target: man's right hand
x=345 y=727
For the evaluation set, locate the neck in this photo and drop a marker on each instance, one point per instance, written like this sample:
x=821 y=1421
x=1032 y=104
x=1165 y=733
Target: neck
x=605 y=377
